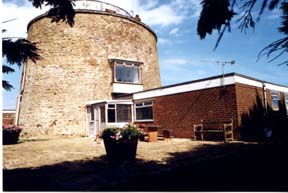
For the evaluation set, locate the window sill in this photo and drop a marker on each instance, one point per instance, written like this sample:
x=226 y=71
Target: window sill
x=129 y=83
x=126 y=88
x=147 y=120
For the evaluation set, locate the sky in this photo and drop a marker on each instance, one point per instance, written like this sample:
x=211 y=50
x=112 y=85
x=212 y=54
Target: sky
x=182 y=55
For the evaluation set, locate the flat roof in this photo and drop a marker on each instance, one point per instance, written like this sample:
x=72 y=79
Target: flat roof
x=113 y=101
x=205 y=83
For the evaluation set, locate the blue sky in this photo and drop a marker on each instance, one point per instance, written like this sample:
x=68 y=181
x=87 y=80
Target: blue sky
x=180 y=49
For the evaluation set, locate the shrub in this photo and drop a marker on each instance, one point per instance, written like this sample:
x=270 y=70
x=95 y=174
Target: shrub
x=127 y=133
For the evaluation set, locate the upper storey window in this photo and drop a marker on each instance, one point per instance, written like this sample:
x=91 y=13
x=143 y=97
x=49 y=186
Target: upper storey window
x=126 y=71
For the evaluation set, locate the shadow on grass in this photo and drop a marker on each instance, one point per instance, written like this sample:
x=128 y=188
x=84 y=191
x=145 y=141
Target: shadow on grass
x=223 y=167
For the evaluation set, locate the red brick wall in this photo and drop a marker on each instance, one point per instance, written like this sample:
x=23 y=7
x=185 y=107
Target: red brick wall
x=8 y=118
x=246 y=98
x=179 y=112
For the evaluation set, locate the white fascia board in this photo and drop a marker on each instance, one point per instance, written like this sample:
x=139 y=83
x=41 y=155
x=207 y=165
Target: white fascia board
x=95 y=102
x=270 y=86
x=126 y=88
x=184 y=88
x=129 y=102
x=242 y=80
x=8 y=111
x=276 y=87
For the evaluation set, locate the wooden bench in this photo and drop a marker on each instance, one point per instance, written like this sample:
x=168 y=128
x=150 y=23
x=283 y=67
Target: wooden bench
x=165 y=135
x=210 y=127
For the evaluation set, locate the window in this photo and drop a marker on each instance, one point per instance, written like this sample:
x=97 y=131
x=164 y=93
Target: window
x=144 y=111
x=124 y=113
x=92 y=117
x=127 y=73
x=119 y=113
x=111 y=113
x=275 y=96
x=102 y=113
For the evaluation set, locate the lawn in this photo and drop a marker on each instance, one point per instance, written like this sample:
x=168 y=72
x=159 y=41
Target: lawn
x=80 y=164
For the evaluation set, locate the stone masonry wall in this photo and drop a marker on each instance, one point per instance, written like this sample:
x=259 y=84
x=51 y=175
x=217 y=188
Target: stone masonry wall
x=74 y=68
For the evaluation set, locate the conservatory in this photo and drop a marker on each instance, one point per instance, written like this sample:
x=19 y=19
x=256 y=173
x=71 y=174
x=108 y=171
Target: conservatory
x=108 y=113
x=116 y=113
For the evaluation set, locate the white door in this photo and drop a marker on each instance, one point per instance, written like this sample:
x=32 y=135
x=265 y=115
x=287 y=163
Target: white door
x=93 y=120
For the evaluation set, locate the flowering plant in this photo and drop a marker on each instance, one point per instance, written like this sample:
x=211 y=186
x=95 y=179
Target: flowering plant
x=11 y=134
x=11 y=128
x=121 y=144
x=127 y=133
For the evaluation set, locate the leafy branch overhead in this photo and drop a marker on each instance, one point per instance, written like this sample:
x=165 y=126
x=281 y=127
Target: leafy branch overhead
x=20 y=50
x=17 y=52
x=61 y=9
x=218 y=14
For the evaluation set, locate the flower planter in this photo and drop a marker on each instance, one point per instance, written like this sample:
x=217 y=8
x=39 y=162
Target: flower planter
x=121 y=150
x=10 y=137
x=10 y=134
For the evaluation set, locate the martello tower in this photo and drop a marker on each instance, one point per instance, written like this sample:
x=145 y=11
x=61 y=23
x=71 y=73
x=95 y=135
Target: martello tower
x=105 y=54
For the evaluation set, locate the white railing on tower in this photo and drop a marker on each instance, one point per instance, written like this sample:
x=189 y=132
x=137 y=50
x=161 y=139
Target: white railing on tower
x=100 y=6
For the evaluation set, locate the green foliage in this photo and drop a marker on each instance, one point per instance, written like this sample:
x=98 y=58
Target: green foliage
x=126 y=133
x=109 y=133
x=61 y=9
x=130 y=132
x=214 y=14
x=18 y=51
x=217 y=15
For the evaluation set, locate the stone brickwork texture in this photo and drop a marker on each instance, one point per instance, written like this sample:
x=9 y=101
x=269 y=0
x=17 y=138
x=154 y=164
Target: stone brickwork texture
x=74 y=68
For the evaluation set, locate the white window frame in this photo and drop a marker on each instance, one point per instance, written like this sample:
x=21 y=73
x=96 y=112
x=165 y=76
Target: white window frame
x=115 y=108
x=115 y=114
x=128 y=66
x=143 y=106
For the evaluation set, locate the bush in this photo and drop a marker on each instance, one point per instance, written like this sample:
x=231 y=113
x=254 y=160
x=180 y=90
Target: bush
x=127 y=133
x=121 y=144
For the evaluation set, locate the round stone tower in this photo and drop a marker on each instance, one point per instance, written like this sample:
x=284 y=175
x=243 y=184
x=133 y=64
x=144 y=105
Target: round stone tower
x=105 y=54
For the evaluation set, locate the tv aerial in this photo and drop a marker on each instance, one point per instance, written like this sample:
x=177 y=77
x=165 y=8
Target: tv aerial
x=222 y=63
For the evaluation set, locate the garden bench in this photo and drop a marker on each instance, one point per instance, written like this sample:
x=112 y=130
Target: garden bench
x=214 y=127
x=165 y=135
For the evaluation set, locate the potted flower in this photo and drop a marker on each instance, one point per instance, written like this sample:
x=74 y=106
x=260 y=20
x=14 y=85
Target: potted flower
x=11 y=134
x=121 y=143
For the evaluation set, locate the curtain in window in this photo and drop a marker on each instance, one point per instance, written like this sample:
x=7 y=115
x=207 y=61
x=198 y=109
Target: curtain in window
x=129 y=74
x=124 y=113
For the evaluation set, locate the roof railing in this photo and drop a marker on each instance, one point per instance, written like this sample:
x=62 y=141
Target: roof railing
x=100 y=6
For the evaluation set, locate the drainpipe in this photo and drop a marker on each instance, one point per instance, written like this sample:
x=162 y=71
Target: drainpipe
x=265 y=99
x=17 y=109
x=20 y=95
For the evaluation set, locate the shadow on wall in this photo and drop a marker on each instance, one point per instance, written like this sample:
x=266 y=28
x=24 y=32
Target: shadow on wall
x=259 y=125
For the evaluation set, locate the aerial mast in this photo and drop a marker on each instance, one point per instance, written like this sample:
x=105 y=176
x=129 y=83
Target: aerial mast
x=223 y=63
